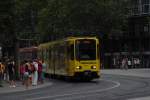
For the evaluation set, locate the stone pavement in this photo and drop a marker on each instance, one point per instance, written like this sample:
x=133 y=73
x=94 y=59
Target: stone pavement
x=143 y=72
x=19 y=87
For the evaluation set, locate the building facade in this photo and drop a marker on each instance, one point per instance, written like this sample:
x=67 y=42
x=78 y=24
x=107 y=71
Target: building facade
x=139 y=30
x=134 y=45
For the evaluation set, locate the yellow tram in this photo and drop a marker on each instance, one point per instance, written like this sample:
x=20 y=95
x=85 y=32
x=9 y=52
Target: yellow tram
x=72 y=57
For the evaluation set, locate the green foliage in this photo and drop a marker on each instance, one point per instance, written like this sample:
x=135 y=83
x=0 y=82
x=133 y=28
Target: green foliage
x=6 y=22
x=61 y=16
x=26 y=12
x=55 y=18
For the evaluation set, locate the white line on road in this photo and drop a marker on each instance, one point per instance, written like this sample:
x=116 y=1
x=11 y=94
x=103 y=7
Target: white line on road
x=37 y=93
x=141 y=98
x=117 y=84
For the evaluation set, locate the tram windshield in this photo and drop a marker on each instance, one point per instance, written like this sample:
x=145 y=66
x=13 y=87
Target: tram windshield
x=85 y=49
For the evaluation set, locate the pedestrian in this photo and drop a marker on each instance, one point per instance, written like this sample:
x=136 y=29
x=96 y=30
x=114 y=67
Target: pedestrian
x=129 y=63
x=6 y=75
x=138 y=62
x=40 y=71
x=124 y=64
x=43 y=70
x=134 y=63
x=11 y=71
x=35 y=73
x=2 y=68
x=27 y=74
x=22 y=71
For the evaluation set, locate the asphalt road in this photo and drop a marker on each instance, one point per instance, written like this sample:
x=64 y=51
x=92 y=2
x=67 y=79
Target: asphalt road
x=108 y=87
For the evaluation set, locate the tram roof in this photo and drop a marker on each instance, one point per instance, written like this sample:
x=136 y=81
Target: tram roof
x=28 y=49
x=65 y=39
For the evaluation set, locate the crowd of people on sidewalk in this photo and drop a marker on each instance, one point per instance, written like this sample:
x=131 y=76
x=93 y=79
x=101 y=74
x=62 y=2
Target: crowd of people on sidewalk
x=126 y=63
x=7 y=69
x=31 y=72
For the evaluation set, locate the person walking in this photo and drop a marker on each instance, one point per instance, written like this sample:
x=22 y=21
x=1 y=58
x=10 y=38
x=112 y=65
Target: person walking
x=43 y=70
x=22 y=71
x=2 y=68
x=129 y=63
x=40 y=71
x=124 y=64
x=26 y=75
x=11 y=71
x=5 y=74
x=35 y=73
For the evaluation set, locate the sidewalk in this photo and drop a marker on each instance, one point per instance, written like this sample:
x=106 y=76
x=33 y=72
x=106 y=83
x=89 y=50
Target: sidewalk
x=19 y=87
x=144 y=72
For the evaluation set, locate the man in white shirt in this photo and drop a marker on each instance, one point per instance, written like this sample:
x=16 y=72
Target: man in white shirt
x=35 y=74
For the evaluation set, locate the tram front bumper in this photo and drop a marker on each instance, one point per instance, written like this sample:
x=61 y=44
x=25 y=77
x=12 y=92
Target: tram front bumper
x=88 y=74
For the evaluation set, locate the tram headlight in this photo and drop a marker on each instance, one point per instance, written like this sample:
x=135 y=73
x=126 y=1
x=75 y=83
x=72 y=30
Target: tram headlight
x=93 y=67
x=78 y=67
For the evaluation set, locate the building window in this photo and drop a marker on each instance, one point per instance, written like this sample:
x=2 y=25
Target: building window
x=135 y=5
x=145 y=8
x=146 y=28
x=135 y=10
x=145 y=1
x=135 y=2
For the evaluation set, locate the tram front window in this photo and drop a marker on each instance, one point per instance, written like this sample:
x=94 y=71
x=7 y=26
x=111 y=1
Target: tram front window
x=86 y=49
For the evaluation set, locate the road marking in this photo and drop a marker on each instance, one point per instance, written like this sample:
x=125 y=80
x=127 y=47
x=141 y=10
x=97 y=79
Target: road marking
x=141 y=98
x=85 y=96
x=37 y=93
x=23 y=89
x=117 y=84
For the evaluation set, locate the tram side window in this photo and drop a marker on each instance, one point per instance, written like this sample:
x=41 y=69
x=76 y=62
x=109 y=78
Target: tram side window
x=47 y=54
x=50 y=55
x=42 y=52
x=71 y=50
x=98 y=51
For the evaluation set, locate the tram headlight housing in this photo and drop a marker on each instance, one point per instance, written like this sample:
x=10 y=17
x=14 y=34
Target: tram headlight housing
x=78 y=67
x=93 y=67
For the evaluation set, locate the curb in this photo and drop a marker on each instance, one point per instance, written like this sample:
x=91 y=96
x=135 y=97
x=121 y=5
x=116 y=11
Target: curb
x=21 y=88
x=144 y=73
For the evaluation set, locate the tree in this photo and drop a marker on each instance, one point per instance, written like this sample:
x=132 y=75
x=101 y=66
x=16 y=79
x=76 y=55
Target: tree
x=6 y=26
x=6 y=21
x=55 y=18
x=62 y=16
x=26 y=12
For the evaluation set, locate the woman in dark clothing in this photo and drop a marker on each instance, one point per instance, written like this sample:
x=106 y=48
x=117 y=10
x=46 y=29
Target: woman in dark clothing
x=11 y=71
